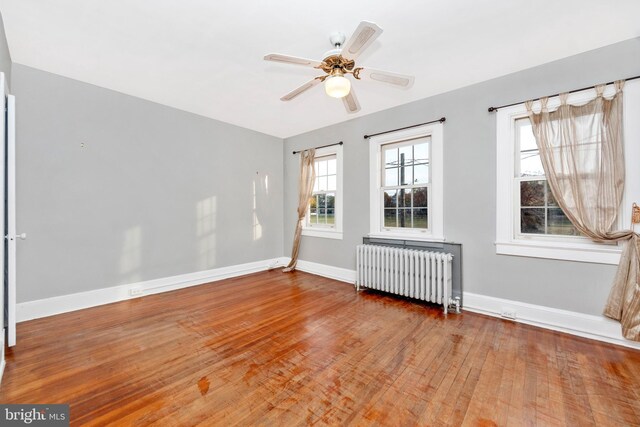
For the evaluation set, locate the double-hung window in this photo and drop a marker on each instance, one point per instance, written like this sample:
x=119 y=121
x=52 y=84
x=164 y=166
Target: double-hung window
x=406 y=184
x=324 y=217
x=538 y=212
x=529 y=221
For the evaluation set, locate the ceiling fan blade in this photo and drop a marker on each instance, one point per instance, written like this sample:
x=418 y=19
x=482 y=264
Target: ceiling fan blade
x=361 y=39
x=287 y=59
x=351 y=102
x=400 y=80
x=297 y=91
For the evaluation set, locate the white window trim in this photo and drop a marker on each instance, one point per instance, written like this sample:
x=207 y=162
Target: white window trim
x=336 y=231
x=436 y=210
x=507 y=241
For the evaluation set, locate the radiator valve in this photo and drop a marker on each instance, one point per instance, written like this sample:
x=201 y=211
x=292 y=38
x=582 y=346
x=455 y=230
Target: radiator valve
x=455 y=302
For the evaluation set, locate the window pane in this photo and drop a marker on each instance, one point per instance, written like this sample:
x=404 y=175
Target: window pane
x=530 y=164
x=331 y=200
x=420 y=199
x=525 y=134
x=321 y=168
x=321 y=201
x=421 y=152
x=532 y=193
x=532 y=220
x=406 y=155
x=391 y=157
x=390 y=218
x=406 y=175
x=407 y=198
x=331 y=182
x=420 y=219
x=331 y=167
x=322 y=183
x=551 y=201
x=322 y=216
x=558 y=223
x=421 y=174
x=331 y=213
x=315 y=185
x=391 y=177
x=313 y=216
x=404 y=198
x=390 y=198
x=404 y=218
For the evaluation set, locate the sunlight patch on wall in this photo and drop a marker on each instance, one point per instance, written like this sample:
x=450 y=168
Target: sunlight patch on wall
x=206 y=232
x=257 y=228
x=131 y=255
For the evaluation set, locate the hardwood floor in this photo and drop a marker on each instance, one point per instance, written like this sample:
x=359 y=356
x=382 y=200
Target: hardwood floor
x=296 y=349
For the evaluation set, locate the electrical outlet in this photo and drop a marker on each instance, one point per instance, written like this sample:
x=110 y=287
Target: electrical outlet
x=508 y=313
x=134 y=292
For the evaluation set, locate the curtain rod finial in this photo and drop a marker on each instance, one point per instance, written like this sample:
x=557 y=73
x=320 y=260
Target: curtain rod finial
x=491 y=109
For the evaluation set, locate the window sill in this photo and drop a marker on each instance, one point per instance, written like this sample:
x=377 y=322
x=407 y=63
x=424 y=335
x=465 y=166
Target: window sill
x=407 y=236
x=592 y=253
x=326 y=234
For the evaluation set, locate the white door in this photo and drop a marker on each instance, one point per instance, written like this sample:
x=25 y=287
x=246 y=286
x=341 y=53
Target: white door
x=3 y=122
x=11 y=220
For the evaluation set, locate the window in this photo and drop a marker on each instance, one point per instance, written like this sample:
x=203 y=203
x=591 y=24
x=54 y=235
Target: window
x=324 y=217
x=529 y=221
x=406 y=184
x=322 y=208
x=539 y=213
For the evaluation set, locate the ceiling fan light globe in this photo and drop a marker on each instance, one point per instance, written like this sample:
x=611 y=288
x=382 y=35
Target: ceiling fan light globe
x=337 y=86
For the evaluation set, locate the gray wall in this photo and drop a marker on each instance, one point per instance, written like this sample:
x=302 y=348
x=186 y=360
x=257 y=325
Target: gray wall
x=5 y=57
x=154 y=191
x=469 y=188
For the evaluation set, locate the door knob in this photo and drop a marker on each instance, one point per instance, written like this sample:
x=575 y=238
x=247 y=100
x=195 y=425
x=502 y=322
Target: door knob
x=20 y=236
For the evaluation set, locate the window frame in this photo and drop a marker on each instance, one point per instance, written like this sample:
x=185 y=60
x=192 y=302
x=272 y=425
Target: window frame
x=509 y=241
x=435 y=231
x=329 y=231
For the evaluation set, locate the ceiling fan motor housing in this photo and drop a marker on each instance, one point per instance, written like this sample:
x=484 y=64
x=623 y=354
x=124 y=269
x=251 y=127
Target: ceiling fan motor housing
x=337 y=41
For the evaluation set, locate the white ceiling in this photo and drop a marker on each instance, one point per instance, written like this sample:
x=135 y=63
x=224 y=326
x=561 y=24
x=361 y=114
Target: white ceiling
x=205 y=56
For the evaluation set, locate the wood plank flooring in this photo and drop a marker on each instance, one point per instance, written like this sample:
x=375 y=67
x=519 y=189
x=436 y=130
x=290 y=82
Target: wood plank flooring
x=297 y=349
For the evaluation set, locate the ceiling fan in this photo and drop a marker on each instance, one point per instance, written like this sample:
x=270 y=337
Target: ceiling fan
x=340 y=61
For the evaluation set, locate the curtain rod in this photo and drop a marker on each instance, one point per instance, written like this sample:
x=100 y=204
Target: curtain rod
x=492 y=109
x=441 y=120
x=322 y=146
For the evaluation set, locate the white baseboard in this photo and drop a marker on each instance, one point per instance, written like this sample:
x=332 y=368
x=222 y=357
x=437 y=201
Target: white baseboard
x=594 y=327
x=66 y=303
x=584 y=325
x=598 y=328
x=336 y=273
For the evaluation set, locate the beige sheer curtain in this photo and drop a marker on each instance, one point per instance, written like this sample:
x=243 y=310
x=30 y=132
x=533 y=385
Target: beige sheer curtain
x=581 y=148
x=305 y=190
